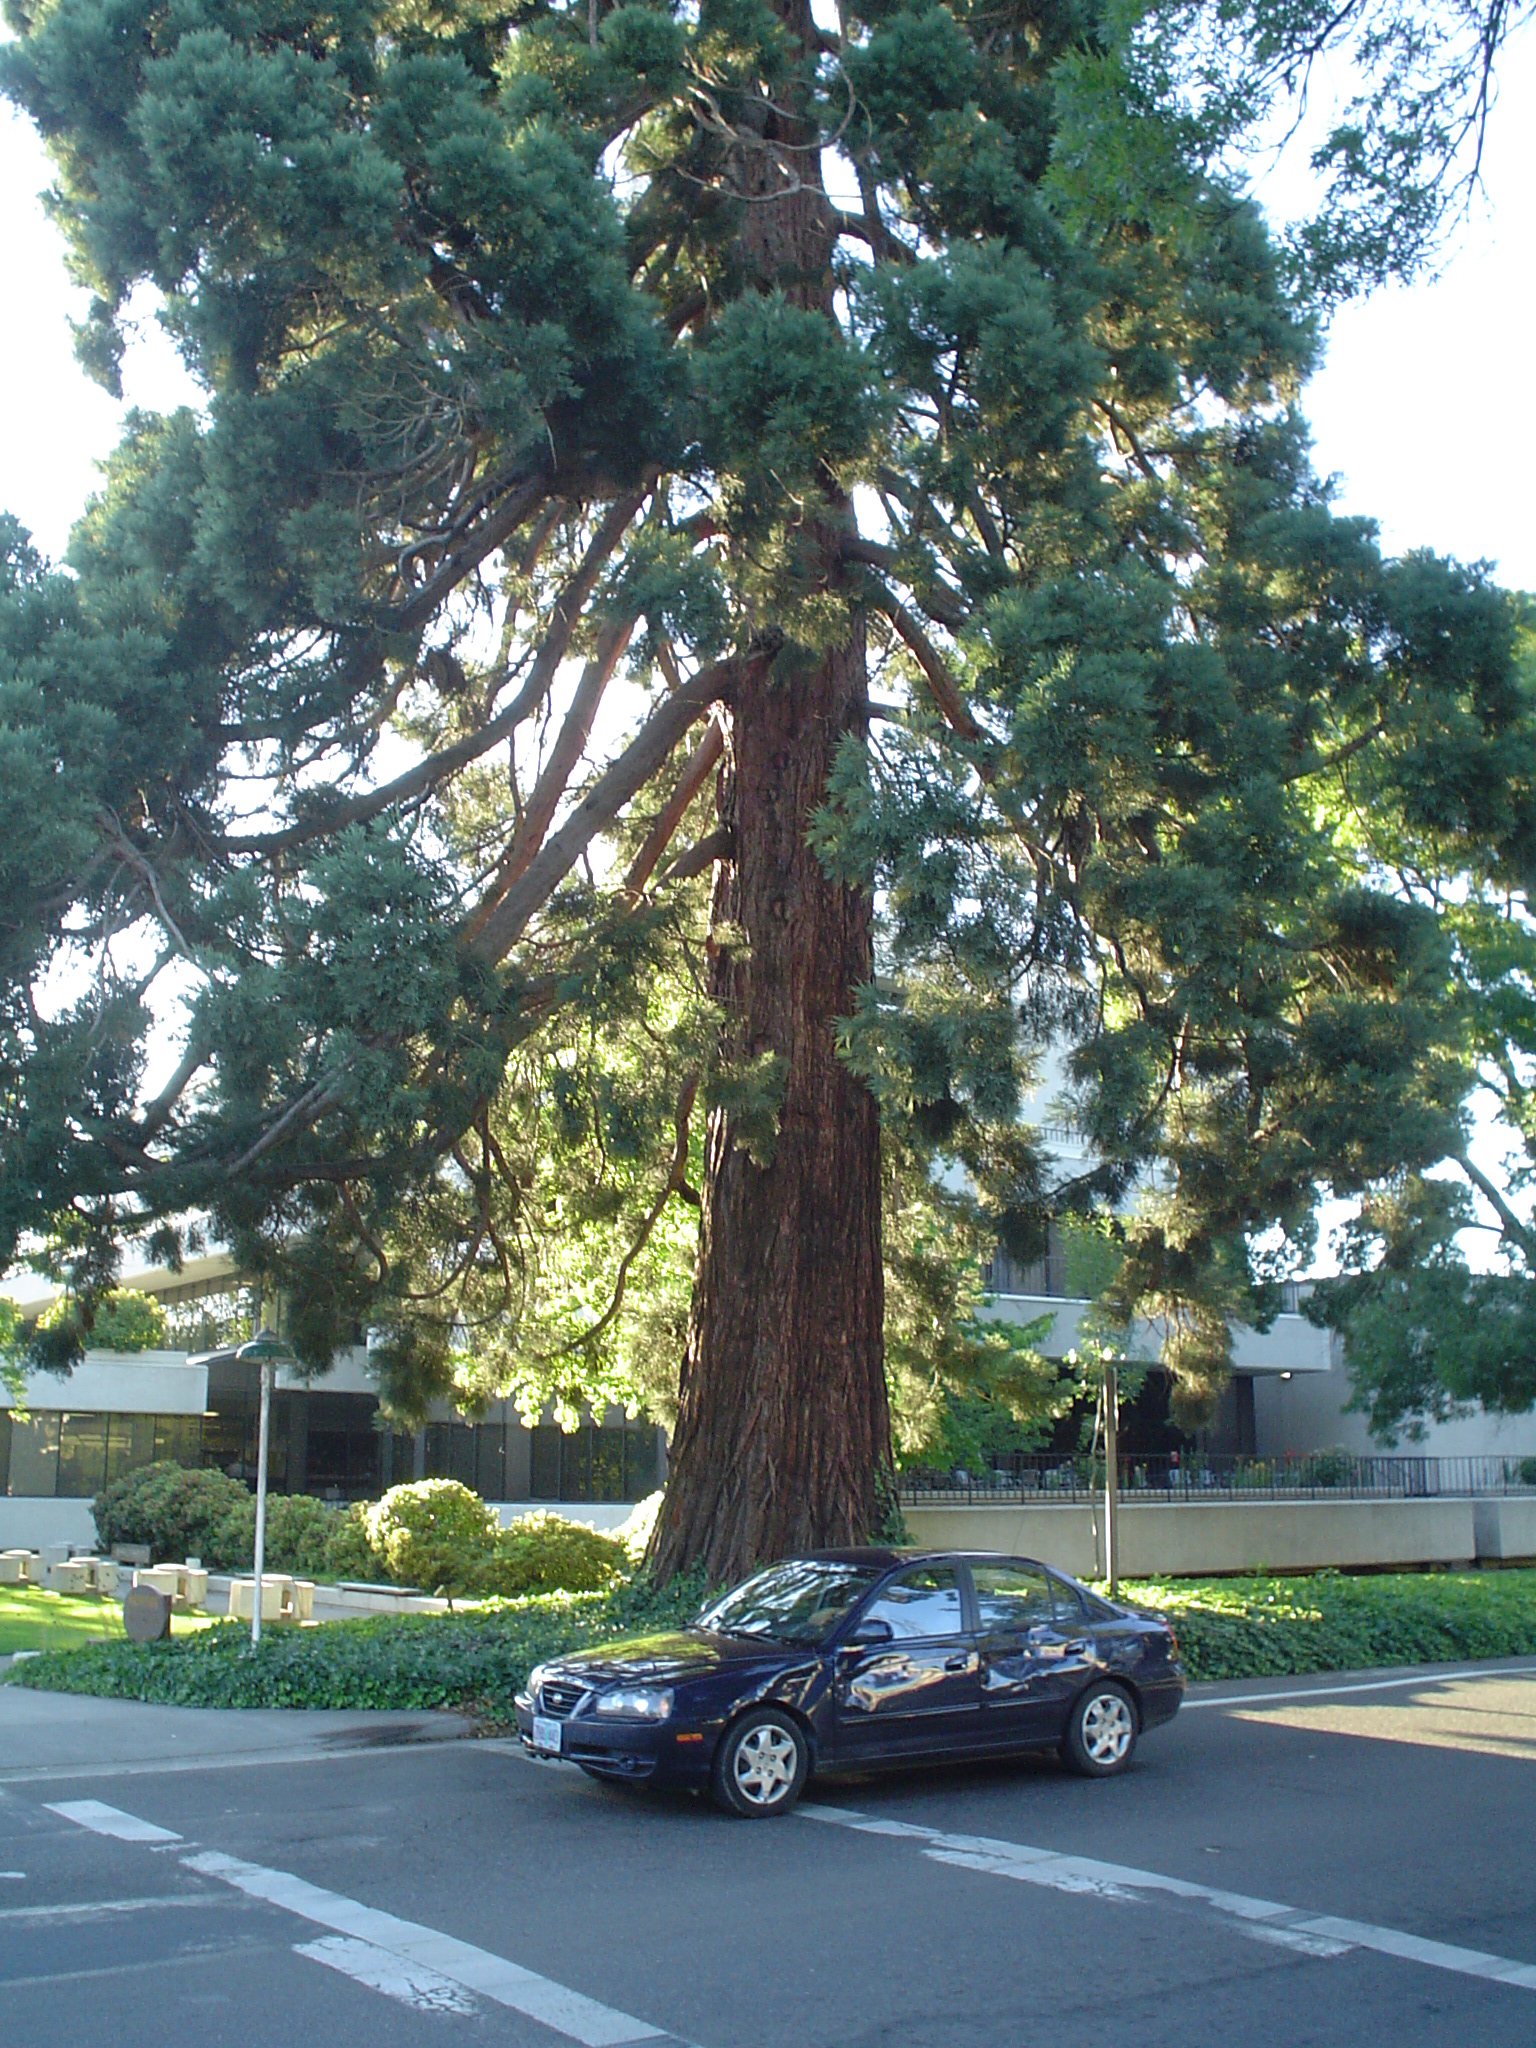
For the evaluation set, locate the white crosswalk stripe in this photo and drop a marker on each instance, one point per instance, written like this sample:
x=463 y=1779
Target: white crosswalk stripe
x=1315 y=1934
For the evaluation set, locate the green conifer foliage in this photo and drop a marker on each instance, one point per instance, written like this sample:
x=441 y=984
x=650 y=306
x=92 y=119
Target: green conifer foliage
x=588 y=500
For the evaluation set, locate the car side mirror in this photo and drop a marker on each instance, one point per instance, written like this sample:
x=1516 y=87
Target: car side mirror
x=874 y=1630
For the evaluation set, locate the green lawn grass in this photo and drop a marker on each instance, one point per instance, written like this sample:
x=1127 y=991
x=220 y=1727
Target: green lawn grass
x=34 y=1619
x=479 y=1656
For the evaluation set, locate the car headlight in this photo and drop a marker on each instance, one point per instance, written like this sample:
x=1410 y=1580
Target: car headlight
x=636 y=1703
x=536 y=1678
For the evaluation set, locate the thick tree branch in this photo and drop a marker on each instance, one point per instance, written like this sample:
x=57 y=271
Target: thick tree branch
x=941 y=682
x=448 y=761
x=567 y=751
x=695 y=773
x=607 y=797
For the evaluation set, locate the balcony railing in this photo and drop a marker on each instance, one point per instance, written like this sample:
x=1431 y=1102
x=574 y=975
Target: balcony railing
x=1327 y=1475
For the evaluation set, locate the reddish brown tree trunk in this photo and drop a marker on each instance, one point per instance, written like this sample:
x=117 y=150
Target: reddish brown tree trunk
x=783 y=1429
x=783 y=1425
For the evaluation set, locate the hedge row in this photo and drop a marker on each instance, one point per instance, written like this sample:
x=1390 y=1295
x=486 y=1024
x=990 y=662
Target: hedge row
x=1228 y=1629
x=1274 y=1627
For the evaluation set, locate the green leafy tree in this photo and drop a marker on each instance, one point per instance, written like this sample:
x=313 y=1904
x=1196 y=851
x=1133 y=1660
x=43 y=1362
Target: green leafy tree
x=588 y=500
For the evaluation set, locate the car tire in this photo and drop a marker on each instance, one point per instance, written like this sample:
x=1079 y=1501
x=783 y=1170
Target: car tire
x=761 y=1764
x=1101 y=1733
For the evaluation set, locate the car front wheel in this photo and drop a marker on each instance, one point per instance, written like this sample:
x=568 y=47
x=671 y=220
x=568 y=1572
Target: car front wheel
x=1101 y=1735
x=761 y=1765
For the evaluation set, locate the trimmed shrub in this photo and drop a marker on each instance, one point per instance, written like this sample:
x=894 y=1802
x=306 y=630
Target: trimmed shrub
x=177 y=1513
x=433 y=1533
x=348 y=1552
x=299 y=1530
x=544 y=1553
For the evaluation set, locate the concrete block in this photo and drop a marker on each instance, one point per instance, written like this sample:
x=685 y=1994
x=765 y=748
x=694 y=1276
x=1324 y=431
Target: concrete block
x=16 y=1567
x=1506 y=1526
x=73 y=1576
x=276 y=1598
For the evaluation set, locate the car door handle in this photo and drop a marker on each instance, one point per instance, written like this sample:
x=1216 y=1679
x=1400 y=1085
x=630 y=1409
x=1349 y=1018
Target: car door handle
x=1078 y=1647
x=958 y=1663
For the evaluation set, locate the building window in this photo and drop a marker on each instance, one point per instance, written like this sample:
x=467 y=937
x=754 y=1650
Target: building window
x=598 y=1462
x=66 y=1455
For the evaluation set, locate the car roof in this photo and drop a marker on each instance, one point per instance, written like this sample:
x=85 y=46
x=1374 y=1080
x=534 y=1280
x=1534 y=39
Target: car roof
x=880 y=1557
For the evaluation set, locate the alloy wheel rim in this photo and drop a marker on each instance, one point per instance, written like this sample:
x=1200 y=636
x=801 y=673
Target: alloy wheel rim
x=764 y=1765
x=1107 y=1728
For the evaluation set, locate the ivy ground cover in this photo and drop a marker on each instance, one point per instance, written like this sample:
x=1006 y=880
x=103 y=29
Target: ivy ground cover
x=479 y=1656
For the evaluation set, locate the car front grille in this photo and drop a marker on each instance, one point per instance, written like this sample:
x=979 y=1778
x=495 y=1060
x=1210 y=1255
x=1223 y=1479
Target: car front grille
x=559 y=1697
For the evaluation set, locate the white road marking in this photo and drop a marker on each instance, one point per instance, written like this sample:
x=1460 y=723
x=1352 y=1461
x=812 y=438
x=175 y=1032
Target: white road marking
x=476 y=1969
x=1321 y=1934
x=1442 y=1676
x=410 y=1983
x=96 y=1909
x=110 y=1820
x=12 y=1873
x=460 y=1962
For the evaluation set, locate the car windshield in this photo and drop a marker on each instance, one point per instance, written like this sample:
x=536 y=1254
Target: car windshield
x=790 y=1603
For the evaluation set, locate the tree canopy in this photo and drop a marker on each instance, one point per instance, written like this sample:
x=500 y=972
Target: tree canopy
x=640 y=439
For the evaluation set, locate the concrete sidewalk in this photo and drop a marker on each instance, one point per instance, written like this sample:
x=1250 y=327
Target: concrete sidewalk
x=54 y=1734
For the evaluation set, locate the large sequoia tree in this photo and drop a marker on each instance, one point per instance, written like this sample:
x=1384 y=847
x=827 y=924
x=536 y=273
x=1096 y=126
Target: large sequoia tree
x=653 y=449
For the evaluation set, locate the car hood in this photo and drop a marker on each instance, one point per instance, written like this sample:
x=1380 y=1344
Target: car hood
x=666 y=1659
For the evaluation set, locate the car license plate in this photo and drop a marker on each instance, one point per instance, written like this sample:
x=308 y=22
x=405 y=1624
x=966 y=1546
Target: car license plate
x=546 y=1734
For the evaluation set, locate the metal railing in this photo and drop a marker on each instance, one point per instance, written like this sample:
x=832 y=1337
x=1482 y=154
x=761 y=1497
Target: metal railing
x=1327 y=1475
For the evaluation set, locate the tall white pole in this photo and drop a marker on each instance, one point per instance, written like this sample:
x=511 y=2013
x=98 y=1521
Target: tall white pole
x=261 y=1496
x=1112 y=1475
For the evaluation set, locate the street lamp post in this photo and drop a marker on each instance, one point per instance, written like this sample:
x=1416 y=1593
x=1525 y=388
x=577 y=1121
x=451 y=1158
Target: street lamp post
x=1112 y=1474
x=265 y=1348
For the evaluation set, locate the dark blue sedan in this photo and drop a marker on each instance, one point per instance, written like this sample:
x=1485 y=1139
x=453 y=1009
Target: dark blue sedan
x=855 y=1659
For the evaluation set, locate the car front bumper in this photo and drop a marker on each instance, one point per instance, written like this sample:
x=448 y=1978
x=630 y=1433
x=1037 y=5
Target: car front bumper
x=630 y=1752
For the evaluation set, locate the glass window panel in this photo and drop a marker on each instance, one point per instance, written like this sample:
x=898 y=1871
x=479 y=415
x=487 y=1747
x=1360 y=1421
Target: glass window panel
x=544 y=1463
x=130 y=1444
x=82 y=1456
x=461 y=1453
x=640 y=1461
x=607 y=1463
x=576 y=1465
x=1068 y=1601
x=490 y=1461
x=5 y=1448
x=439 y=1449
x=179 y=1438
x=1010 y=1599
x=922 y=1602
x=35 y=1455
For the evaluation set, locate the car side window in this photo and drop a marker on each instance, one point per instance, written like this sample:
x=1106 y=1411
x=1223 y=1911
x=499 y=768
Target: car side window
x=1011 y=1598
x=1069 y=1602
x=924 y=1601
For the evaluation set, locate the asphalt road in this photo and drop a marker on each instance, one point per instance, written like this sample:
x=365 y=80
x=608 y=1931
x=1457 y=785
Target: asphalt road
x=1315 y=1861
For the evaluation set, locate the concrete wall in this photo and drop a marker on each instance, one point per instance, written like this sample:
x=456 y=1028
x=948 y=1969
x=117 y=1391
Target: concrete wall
x=120 y=1383
x=27 y=1524
x=1506 y=1528
x=1227 y=1536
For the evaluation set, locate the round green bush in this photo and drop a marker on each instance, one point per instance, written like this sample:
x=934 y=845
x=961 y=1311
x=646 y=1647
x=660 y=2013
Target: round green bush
x=544 y=1553
x=433 y=1533
x=178 y=1513
x=348 y=1552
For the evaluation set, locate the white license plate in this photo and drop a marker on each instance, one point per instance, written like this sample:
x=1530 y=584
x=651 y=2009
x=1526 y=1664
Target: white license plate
x=546 y=1734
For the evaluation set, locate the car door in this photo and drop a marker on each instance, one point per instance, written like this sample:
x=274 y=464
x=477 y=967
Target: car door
x=1035 y=1650
x=919 y=1690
